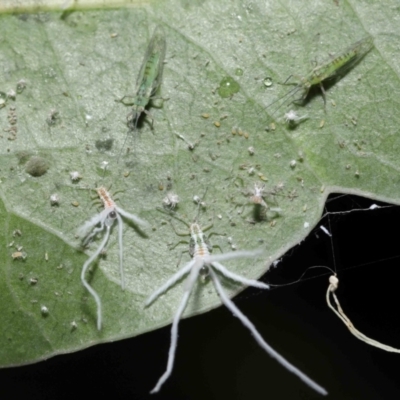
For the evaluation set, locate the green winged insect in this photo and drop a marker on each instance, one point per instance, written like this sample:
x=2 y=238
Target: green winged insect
x=149 y=78
x=335 y=67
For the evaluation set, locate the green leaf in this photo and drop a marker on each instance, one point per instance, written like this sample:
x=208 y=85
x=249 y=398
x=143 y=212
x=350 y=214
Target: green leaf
x=77 y=64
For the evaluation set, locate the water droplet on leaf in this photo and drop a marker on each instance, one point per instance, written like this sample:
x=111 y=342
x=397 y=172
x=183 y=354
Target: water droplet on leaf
x=267 y=81
x=228 y=87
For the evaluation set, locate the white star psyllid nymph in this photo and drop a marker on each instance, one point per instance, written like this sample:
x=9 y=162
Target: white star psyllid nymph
x=291 y=118
x=105 y=220
x=203 y=261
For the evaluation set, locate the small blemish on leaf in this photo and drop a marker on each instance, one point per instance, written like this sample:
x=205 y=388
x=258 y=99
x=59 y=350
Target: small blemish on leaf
x=104 y=145
x=36 y=166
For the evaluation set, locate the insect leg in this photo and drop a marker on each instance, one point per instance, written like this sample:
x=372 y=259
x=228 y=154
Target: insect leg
x=121 y=100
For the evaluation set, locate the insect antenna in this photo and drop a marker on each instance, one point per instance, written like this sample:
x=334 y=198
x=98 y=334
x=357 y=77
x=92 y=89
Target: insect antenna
x=173 y=214
x=288 y=94
x=126 y=137
x=200 y=202
x=136 y=113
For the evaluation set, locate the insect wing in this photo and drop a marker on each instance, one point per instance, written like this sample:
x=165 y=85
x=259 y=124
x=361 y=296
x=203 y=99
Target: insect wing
x=342 y=62
x=160 y=45
x=356 y=52
x=150 y=74
x=360 y=48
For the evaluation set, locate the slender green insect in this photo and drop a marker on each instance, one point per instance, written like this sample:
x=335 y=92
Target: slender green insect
x=149 y=78
x=333 y=68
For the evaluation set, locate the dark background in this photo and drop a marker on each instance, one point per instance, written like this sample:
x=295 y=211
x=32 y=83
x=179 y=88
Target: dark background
x=218 y=359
